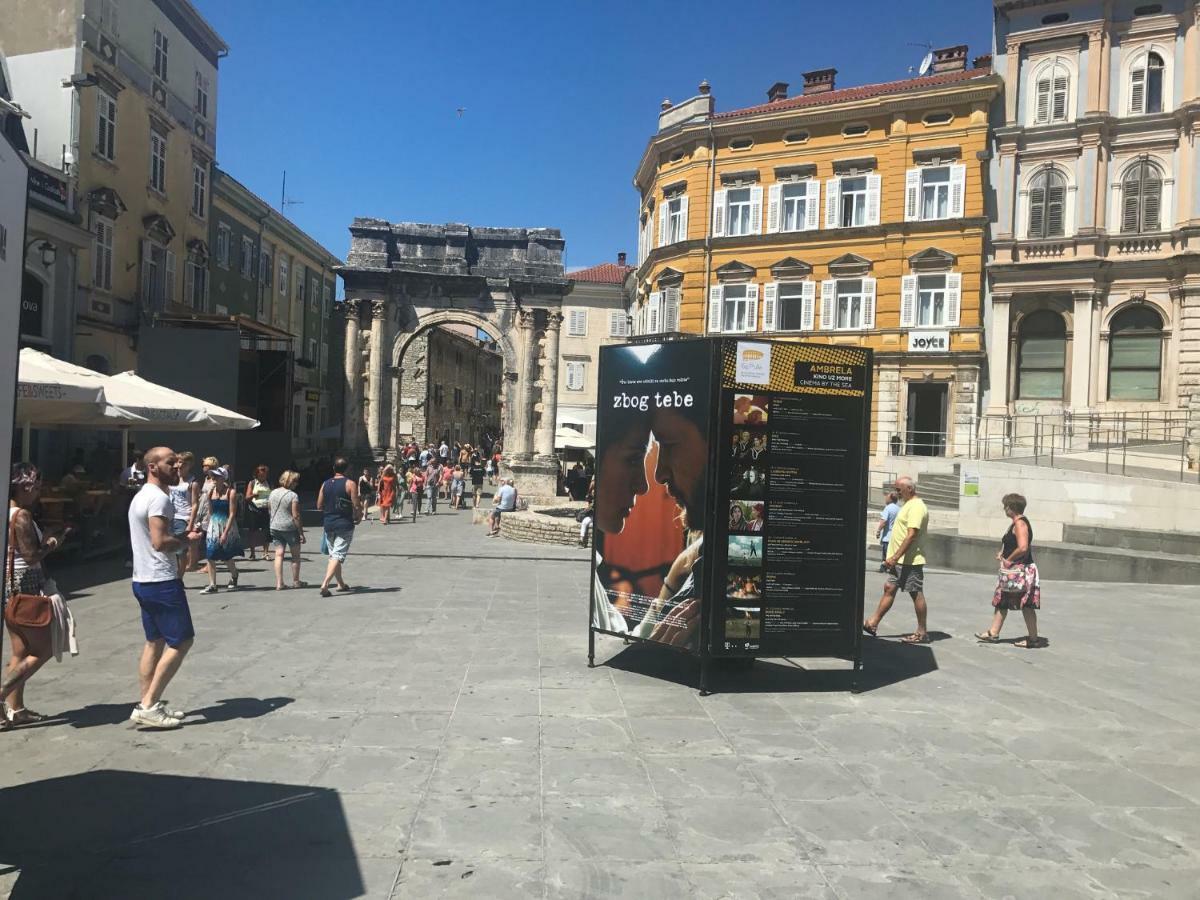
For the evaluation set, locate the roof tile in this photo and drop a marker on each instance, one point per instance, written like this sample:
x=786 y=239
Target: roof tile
x=605 y=273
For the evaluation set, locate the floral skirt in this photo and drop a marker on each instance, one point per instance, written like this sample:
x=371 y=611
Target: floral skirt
x=233 y=543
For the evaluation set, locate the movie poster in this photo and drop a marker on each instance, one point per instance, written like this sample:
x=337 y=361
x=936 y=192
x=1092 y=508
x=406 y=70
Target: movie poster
x=652 y=472
x=789 y=556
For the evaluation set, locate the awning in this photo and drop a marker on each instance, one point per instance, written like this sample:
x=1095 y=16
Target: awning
x=576 y=416
x=171 y=410
x=53 y=392
x=570 y=439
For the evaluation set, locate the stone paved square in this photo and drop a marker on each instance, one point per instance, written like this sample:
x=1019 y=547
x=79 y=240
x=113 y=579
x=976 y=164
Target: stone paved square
x=442 y=736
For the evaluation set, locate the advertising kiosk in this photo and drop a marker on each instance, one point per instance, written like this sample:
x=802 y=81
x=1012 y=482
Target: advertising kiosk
x=730 y=506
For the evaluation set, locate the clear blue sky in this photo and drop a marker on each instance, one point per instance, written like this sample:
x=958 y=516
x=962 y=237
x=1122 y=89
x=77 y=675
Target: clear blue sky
x=356 y=99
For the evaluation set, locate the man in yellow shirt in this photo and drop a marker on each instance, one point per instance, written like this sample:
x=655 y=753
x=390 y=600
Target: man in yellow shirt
x=905 y=561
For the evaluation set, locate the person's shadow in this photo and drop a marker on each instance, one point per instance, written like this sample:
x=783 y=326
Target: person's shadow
x=117 y=713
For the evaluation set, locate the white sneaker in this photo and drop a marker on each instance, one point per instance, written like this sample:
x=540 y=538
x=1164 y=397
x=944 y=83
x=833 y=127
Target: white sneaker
x=173 y=713
x=211 y=589
x=154 y=717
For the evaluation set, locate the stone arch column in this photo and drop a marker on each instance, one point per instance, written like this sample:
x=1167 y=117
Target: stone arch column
x=353 y=399
x=549 y=423
x=376 y=425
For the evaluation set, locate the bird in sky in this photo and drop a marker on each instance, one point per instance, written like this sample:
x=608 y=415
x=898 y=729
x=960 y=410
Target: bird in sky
x=461 y=110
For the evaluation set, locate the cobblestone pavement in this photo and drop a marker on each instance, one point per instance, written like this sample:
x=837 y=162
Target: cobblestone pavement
x=439 y=735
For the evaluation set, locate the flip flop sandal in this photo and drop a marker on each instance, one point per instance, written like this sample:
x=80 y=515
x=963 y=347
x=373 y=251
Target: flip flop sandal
x=1026 y=644
x=915 y=638
x=346 y=590
x=986 y=637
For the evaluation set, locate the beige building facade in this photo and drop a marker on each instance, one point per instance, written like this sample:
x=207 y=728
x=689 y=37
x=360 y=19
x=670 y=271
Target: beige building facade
x=595 y=313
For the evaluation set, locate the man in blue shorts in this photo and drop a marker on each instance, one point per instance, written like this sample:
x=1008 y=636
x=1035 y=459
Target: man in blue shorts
x=158 y=588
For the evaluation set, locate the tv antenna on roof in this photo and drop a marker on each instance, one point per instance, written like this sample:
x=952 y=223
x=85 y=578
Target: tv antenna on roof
x=926 y=61
x=284 y=202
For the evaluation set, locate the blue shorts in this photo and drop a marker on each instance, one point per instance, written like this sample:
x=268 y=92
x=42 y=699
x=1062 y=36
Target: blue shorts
x=165 y=613
x=337 y=543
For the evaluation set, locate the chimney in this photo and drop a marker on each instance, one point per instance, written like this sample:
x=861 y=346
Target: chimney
x=819 y=81
x=982 y=62
x=950 y=59
x=620 y=259
x=777 y=91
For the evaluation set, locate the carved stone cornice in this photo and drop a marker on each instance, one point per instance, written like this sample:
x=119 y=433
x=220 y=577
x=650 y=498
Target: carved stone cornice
x=526 y=320
x=353 y=307
x=379 y=309
x=554 y=321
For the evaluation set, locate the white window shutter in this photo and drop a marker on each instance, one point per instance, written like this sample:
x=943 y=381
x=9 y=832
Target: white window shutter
x=756 y=209
x=828 y=300
x=1042 y=113
x=1137 y=90
x=654 y=311
x=868 y=303
x=808 y=303
x=718 y=222
x=912 y=193
x=953 y=298
x=770 y=303
x=1058 y=108
x=874 y=186
x=752 y=304
x=812 y=205
x=908 y=301
x=833 y=199
x=774 y=195
x=715 y=294
x=663 y=222
x=641 y=242
x=958 y=191
x=683 y=217
x=671 y=300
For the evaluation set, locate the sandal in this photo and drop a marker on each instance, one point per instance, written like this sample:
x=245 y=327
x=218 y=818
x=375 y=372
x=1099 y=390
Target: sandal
x=915 y=638
x=345 y=589
x=24 y=716
x=873 y=632
x=986 y=637
x=299 y=584
x=1026 y=644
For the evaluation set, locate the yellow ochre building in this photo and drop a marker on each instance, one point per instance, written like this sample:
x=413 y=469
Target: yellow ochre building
x=843 y=216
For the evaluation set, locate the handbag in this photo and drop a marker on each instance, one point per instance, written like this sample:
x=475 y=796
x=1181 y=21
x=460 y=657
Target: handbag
x=1013 y=579
x=24 y=610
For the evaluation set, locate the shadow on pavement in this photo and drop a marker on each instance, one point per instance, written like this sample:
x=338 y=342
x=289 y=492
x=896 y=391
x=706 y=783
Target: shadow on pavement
x=118 y=713
x=884 y=663
x=133 y=835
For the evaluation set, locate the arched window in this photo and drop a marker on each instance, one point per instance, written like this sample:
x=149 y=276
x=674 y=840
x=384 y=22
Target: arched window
x=1135 y=354
x=1141 y=198
x=1146 y=85
x=1052 y=94
x=1041 y=356
x=1047 y=202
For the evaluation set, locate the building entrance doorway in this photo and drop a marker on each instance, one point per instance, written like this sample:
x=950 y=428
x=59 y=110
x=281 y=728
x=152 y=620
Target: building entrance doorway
x=927 y=419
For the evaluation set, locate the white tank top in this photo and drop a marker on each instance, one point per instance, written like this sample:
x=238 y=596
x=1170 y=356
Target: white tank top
x=181 y=499
x=19 y=564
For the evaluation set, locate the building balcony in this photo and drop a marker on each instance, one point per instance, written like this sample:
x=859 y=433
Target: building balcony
x=1090 y=247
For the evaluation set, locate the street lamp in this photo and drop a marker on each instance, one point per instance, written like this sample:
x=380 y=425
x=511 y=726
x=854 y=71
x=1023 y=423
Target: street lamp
x=48 y=250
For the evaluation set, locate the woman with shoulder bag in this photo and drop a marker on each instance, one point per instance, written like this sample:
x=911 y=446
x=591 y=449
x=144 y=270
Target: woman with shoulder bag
x=1018 y=586
x=30 y=614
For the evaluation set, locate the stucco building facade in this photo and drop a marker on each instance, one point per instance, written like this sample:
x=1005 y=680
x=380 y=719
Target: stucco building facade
x=1094 y=301
x=850 y=216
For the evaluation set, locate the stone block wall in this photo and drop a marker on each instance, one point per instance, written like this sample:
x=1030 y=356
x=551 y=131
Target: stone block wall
x=533 y=527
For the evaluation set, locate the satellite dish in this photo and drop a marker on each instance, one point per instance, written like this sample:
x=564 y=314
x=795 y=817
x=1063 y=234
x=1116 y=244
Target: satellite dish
x=926 y=64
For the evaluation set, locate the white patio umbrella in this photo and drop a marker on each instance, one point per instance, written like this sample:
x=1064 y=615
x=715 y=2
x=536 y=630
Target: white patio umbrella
x=54 y=393
x=570 y=439
x=163 y=408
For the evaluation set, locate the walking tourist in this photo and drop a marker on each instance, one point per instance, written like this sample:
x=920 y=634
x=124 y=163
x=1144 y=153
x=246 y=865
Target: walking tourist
x=338 y=499
x=458 y=483
x=258 y=489
x=416 y=488
x=39 y=625
x=166 y=619
x=476 y=471
x=366 y=492
x=224 y=541
x=287 y=527
x=506 y=501
x=185 y=498
x=1018 y=586
x=433 y=482
x=905 y=562
x=448 y=483
x=387 y=494
x=887 y=517
x=490 y=469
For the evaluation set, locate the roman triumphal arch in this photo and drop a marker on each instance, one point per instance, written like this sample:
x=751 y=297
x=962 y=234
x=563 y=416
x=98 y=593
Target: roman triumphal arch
x=404 y=277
